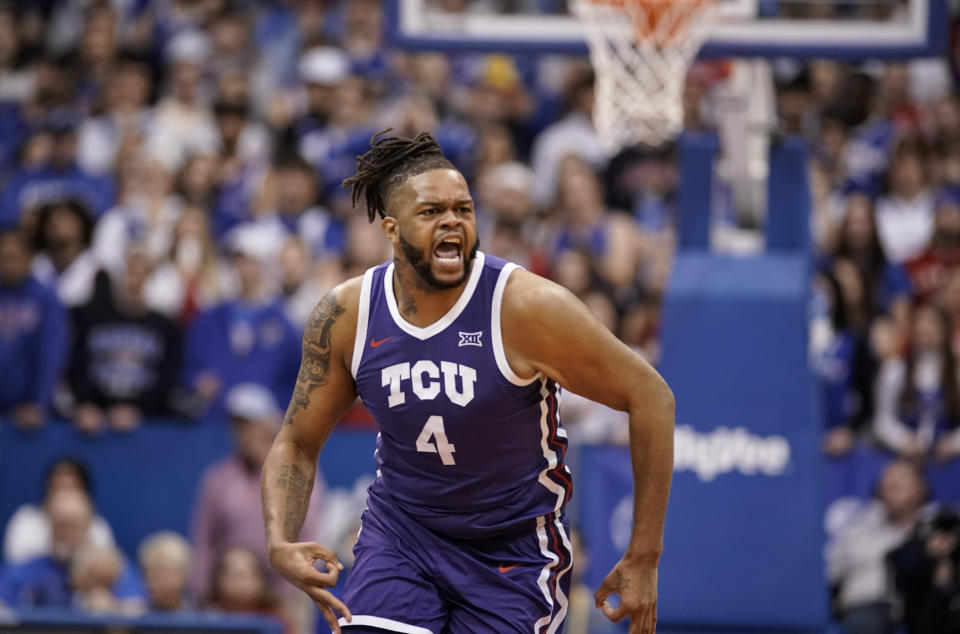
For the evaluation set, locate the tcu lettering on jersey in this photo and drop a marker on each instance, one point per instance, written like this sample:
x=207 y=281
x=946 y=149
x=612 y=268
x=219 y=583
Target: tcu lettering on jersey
x=466 y=447
x=424 y=377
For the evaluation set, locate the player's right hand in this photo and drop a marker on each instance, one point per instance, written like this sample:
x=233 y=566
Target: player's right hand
x=297 y=563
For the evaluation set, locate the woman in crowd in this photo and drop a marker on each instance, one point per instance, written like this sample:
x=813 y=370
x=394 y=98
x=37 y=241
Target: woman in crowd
x=887 y=288
x=239 y=584
x=918 y=398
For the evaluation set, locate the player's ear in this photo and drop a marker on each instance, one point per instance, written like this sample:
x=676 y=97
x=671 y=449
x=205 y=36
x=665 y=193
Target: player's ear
x=391 y=228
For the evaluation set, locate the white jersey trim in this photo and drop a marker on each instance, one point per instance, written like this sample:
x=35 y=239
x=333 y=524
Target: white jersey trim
x=553 y=560
x=384 y=624
x=561 y=597
x=363 y=320
x=549 y=454
x=497 y=334
x=554 y=621
x=476 y=270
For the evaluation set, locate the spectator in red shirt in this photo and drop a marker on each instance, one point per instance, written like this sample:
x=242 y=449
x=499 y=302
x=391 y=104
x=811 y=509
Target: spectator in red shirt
x=928 y=271
x=228 y=509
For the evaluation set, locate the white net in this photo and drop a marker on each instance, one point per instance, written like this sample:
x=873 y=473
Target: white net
x=640 y=51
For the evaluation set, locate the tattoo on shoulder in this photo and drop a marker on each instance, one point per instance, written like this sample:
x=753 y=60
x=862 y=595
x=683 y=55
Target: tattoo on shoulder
x=315 y=365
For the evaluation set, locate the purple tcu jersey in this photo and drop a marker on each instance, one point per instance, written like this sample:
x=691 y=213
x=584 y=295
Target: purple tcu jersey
x=466 y=447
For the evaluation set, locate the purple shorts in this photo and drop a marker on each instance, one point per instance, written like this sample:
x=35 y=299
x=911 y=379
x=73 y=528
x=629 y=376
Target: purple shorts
x=409 y=579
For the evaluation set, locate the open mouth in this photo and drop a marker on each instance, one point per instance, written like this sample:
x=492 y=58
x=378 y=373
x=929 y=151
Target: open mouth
x=447 y=253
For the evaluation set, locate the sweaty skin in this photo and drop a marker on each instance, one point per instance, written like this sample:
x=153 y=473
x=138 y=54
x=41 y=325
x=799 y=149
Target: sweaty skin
x=546 y=330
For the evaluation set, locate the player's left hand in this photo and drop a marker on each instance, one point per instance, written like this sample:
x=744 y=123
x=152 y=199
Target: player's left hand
x=635 y=582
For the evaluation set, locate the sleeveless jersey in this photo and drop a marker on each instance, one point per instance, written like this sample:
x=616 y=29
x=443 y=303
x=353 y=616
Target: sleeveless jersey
x=466 y=447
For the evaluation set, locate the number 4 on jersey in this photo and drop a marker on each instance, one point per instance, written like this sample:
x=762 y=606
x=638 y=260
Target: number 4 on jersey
x=434 y=429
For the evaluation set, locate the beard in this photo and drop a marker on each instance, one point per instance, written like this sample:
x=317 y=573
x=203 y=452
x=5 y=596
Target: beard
x=421 y=264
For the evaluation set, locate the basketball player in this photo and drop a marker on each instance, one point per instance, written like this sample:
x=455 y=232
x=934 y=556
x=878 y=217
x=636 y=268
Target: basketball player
x=459 y=356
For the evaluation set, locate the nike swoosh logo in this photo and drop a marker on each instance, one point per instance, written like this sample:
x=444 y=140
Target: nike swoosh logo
x=374 y=344
x=504 y=569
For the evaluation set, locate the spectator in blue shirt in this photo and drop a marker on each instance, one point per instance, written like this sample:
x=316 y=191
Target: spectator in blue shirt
x=840 y=358
x=296 y=212
x=32 y=335
x=45 y=581
x=247 y=340
x=61 y=178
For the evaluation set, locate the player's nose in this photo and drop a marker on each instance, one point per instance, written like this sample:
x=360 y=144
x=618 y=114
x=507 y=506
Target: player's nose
x=449 y=218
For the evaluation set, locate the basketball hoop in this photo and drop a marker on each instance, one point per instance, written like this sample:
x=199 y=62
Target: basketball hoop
x=640 y=51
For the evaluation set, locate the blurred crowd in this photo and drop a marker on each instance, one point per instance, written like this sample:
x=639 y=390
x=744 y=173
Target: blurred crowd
x=171 y=210
x=60 y=553
x=171 y=204
x=894 y=567
x=884 y=314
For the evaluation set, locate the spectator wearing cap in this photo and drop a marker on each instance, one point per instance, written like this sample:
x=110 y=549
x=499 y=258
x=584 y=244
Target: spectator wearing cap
x=126 y=357
x=228 y=511
x=331 y=138
x=58 y=178
x=248 y=339
x=321 y=70
x=32 y=335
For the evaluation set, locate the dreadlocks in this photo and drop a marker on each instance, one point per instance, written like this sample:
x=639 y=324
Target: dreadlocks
x=388 y=163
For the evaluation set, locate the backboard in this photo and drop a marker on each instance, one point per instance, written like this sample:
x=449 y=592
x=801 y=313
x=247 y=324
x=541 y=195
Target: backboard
x=855 y=29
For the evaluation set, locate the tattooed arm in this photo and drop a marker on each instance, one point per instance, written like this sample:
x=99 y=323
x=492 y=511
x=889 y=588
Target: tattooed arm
x=323 y=392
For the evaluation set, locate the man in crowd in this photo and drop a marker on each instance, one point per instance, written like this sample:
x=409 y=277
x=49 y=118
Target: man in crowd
x=32 y=335
x=228 y=511
x=248 y=339
x=46 y=581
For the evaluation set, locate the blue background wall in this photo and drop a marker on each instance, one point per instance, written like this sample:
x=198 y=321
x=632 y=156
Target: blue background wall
x=147 y=481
